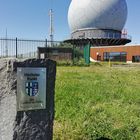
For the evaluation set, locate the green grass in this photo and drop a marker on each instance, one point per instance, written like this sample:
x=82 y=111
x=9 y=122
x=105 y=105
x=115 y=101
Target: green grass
x=97 y=101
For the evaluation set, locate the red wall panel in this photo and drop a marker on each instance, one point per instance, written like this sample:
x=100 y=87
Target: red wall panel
x=130 y=50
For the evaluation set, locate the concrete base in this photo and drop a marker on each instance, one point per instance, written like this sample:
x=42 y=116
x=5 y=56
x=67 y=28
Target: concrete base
x=25 y=125
x=37 y=124
x=129 y=62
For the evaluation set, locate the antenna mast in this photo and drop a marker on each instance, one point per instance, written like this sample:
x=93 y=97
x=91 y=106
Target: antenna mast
x=51 y=27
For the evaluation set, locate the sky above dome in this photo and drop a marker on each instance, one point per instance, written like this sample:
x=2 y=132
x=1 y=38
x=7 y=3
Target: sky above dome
x=29 y=19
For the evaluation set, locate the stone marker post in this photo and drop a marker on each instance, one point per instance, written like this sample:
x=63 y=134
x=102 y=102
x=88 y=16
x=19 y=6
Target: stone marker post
x=35 y=99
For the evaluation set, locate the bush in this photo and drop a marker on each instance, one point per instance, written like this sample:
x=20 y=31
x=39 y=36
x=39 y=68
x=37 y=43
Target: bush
x=80 y=62
x=64 y=63
x=76 y=62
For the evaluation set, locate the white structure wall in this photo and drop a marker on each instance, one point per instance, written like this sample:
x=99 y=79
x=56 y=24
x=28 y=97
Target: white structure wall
x=97 y=14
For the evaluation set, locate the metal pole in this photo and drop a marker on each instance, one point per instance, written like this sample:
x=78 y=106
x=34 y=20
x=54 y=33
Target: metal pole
x=6 y=45
x=51 y=27
x=46 y=45
x=109 y=61
x=16 y=49
x=73 y=54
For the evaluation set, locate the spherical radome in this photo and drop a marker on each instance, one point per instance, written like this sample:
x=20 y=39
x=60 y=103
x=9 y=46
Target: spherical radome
x=97 y=14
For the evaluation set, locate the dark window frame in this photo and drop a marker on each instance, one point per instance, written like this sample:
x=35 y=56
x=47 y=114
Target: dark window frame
x=136 y=58
x=122 y=56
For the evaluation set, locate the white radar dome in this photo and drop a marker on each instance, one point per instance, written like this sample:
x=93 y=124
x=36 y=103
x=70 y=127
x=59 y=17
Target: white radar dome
x=97 y=14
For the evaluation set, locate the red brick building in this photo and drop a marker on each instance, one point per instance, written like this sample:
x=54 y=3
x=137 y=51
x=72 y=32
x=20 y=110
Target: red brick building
x=127 y=54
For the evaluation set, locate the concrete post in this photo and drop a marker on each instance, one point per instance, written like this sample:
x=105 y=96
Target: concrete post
x=37 y=124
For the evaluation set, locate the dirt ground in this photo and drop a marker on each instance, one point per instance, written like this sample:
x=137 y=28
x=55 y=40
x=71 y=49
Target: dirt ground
x=7 y=100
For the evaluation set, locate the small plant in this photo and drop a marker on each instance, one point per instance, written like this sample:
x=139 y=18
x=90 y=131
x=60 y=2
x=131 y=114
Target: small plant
x=80 y=62
x=64 y=63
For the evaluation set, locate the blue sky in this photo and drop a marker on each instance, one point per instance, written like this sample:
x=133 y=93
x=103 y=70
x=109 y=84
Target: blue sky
x=30 y=19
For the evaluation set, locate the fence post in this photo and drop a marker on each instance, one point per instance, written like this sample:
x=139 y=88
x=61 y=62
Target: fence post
x=87 y=53
x=16 y=48
x=46 y=45
x=73 y=57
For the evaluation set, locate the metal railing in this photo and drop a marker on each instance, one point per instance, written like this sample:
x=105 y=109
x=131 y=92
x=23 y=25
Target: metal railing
x=99 y=34
x=22 y=48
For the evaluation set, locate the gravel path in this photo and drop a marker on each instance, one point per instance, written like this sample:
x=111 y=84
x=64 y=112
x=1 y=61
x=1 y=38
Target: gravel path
x=7 y=101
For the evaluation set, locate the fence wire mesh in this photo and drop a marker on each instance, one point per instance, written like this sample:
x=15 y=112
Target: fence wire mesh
x=22 y=48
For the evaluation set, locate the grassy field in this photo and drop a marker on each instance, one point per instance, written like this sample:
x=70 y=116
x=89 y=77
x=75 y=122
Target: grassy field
x=97 y=102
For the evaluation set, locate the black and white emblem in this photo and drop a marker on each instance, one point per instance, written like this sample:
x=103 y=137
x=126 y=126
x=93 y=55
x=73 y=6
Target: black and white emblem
x=31 y=88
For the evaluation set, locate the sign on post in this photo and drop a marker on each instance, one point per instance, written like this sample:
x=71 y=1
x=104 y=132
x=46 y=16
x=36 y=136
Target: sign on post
x=31 y=88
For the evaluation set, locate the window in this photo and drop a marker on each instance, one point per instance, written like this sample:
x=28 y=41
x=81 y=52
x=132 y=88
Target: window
x=115 y=56
x=106 y=56
x=136 y=58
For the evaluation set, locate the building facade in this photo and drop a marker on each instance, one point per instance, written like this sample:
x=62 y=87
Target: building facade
x=56 y=54
x=127 y=54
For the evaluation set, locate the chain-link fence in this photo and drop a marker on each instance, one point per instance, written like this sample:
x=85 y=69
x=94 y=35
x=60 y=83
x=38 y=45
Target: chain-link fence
x=23 y=48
